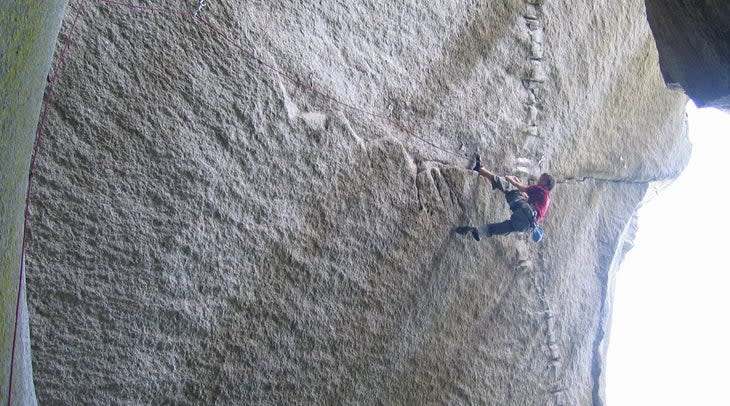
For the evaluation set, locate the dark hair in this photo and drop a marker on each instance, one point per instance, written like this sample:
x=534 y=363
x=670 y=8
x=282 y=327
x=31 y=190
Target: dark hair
x=547 y=181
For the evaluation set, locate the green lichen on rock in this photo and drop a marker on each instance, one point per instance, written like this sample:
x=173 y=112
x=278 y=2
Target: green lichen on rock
x=28 y=31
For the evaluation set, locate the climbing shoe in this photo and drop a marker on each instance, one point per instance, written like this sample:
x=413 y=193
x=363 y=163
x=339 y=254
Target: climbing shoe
x=477 y=162
x=463 y=229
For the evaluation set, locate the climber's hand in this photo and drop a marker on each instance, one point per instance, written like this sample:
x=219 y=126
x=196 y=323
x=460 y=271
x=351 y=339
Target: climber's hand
x=513 y=180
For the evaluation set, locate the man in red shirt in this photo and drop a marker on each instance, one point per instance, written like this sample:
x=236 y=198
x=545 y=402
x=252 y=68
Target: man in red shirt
x=528 y=204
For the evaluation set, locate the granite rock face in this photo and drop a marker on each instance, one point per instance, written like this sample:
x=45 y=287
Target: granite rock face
x=693 y=39
x=256 y=206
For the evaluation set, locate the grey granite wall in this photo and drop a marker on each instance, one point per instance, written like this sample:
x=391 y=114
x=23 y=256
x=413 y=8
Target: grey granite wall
x=256 y=206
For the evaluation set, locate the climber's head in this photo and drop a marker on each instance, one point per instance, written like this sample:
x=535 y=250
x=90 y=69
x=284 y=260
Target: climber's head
x=547 y=181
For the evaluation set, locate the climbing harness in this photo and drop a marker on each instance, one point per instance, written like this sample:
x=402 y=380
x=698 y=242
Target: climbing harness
x=536 y=232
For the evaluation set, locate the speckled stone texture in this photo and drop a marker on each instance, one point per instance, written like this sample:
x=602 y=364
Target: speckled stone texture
x=256 y=207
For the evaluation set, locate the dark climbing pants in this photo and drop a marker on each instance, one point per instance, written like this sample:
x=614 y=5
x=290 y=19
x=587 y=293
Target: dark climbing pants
x=522 y=214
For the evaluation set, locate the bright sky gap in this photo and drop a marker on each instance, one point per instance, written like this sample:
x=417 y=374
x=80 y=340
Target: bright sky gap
x=669 y=340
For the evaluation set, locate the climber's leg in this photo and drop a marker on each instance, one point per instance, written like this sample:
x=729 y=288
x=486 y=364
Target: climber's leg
x=468 y=229
x=488 y=230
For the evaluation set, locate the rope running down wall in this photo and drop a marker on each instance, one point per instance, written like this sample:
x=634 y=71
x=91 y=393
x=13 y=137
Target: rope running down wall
x=195 y=16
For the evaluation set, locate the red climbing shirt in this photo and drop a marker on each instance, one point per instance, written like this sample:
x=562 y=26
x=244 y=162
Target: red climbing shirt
x=539 y=199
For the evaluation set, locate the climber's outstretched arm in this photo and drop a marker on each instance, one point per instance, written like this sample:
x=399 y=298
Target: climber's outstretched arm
x=486 y=173
x=515 y=181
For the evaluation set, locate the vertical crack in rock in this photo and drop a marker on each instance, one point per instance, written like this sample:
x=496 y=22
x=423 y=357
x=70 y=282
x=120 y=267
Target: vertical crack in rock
x=532 y=155
x=530 y=163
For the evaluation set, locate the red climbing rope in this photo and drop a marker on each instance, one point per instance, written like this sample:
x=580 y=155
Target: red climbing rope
x=193 y=15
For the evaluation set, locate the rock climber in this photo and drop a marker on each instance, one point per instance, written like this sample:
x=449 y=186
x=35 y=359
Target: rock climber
x=528 y=204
